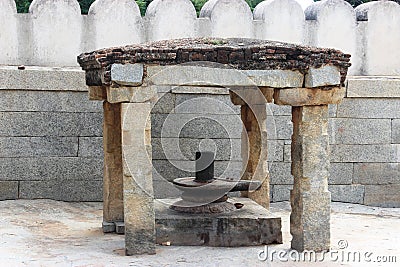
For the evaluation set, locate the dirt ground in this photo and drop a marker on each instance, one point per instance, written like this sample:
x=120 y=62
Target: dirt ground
x=52 y=233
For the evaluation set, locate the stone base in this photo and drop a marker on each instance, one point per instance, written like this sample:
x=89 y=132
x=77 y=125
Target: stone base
x=249 y=226
x=113 y=227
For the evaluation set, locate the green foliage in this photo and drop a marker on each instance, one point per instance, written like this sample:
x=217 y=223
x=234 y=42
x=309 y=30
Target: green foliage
x=85 y=5
x=23 y=5
x=142 y=6
x=198 y=4
x=253 y=3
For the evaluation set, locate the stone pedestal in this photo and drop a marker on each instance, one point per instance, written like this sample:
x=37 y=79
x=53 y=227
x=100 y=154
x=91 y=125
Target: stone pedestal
x=310 y=198
x=251 y=225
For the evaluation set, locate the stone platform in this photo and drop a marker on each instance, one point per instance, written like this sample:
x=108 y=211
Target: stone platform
x=251 y=225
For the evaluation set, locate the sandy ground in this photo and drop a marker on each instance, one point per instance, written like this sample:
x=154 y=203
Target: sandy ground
x=52 y=233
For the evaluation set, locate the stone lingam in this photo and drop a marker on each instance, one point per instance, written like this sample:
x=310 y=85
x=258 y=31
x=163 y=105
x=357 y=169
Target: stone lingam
x=128 y=79
x=204 y=215
x=206 y=193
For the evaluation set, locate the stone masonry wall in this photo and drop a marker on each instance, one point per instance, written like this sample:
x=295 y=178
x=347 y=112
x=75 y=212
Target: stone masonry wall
x=364 y=142
x=52 y=148
x=50 y=134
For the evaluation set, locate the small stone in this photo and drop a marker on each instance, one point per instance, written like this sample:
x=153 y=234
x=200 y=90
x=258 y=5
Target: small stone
x=120 y=228
x=324 y=76
x=108 y=227
x=127 y=74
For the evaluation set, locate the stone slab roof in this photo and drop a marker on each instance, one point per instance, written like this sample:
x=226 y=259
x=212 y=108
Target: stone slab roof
x=242 y=54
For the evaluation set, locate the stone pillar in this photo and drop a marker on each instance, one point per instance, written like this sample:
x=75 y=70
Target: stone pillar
x=113 y=208
x=310 y=198
x=254 y=151
x=137 y=179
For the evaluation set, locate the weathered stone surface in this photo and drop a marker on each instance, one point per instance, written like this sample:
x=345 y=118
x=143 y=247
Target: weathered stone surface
x=277 y=110
x=287 y=153
x=50 y=34
x=205 y=104
x=290 y=16
x=310 y=198
x=119 y=227
x=372 y=86
x=380 y=53
x=131 y=94
x=308 y=96
x=254 y=152
x=164 y=188
x=9 y=43
x=359 y=131
x=279 y=127
x=382 y=195
x=115 y=24
x=280 y=174
x=324 y=29
x=42 y=78
x=341 y=173
x=250 y=225
x=332 y=110
x=90 y=147
x=165 y=103
x=52 y=101
x=108 y=227
x=395 y=131
x=51 y=168
x=165 y=19
x=54 y=124
x=369 y=108
x=281 y=193
x=38 y=146
x=137 y=179
x=347 y=193
x=113 y=207
x=245 y=54
x=196 y=126
x=324 y=76
x=275 y=150
x=234 y=13
x=65 y=190
x=276 y=78
x=365 y=153
x=197 y=75
x=185 y=148
x=8 y=190
x=127 y=74
x=182 y=89
x=313 y=220
x=97 y=93
x=376 y=173
x=250 y=95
